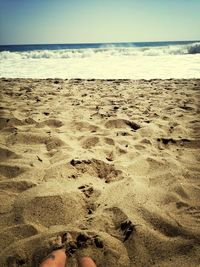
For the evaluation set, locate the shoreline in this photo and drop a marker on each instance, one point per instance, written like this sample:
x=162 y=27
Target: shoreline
x=115 y=162
x=94 y=79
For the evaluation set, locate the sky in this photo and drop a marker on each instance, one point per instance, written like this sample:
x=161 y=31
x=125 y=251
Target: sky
x=93 y=21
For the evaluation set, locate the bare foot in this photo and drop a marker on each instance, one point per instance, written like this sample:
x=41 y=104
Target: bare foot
x=57 y=258
x=86 y=262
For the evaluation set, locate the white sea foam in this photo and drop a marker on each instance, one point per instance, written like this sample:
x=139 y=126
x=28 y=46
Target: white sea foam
x=175 y=61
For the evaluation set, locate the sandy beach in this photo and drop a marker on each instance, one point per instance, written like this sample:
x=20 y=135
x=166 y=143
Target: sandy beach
x=115 y=163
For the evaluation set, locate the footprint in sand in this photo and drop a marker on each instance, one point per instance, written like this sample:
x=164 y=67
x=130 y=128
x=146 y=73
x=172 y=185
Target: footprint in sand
x=53 y=123
x=49 y=204
x=11 y=171
x=90 y=142
x=27 y=139
x=98 y=168
x=114 y=222
x=121 y=123
x=16 y=233
x=10 y=122
x=6 y=154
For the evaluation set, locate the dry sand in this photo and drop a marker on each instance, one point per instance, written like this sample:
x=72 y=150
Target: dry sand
x=113 y=162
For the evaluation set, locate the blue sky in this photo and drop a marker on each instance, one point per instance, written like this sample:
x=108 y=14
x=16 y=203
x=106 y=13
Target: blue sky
x=88 y=21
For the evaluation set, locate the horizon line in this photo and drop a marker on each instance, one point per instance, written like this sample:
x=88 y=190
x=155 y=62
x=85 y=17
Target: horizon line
x=118 y=42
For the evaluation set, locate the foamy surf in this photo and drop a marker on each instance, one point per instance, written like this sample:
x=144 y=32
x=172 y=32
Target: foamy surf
x=104 y=61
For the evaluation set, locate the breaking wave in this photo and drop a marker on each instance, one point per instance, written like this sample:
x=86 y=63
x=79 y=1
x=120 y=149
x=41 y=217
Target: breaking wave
x=108 y=51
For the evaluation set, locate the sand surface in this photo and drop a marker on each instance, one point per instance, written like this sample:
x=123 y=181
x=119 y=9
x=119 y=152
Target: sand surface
x=113 y=162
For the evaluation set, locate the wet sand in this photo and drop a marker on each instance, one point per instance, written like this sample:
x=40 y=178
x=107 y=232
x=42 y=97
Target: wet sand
x=113 y=162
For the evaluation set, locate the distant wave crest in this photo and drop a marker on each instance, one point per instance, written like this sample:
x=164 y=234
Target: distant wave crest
x=107 y=51
x=194 y=49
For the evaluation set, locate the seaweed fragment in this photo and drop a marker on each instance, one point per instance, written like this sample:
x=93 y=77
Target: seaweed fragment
x=127 y=227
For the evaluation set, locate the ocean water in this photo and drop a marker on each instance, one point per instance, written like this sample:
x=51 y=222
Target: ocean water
x=102 y=61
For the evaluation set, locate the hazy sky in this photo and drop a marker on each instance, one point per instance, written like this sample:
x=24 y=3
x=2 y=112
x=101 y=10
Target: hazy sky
x=86 y=21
